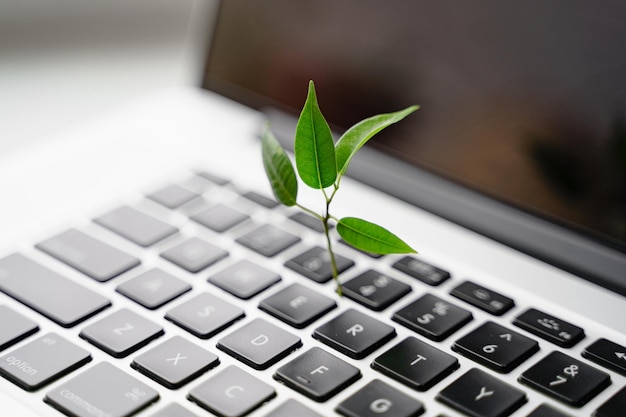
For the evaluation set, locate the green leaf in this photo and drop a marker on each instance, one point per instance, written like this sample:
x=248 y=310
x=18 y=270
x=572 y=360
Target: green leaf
x=279 y=170
x=370 y=237
x=355 y=137
x=314 y=145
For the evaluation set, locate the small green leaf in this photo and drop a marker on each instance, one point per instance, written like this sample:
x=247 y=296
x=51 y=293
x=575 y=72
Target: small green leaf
x=314 y=145
x=355 y=137
x=370 y=237
x=279 y=170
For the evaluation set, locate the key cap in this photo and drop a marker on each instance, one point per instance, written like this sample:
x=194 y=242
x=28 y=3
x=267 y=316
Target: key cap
x=315 y=264
x=244 y=279
x=483 y=298
x=308 y=220
x=204 y=315
x=173 y=410
x=354 y=334
x=478 y=394
x=496 y=347
x=42 y=361
x=259 y=344
x=421 y=270
x=172 y=196
x=232 y=393
x=260 y=199
x=153 y=288
x=194 y=254
x=292 y=408
x=56 y=297
x=415 y=364
x=375 y=290
x=268 y=240
x=175 y=362
x=88 y=255
x=297 y=305
x=215 y=179
x=220 y=218
x=566 y=379
x=138 y=227
x=432 y=317
x=614 y=406
x=607 y=354
x=102 y=390
x=317 y=374
x=550 y=328
x=546 y=411
x=378 y=398
x=15 y=327
x=121 y=333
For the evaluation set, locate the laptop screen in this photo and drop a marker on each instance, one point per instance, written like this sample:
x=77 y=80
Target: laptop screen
x=522 y=101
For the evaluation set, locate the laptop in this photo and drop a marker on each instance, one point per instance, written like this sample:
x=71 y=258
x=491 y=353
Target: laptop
x=146 y=269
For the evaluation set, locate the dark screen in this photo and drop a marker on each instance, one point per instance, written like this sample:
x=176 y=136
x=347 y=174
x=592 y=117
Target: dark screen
x=523 y=101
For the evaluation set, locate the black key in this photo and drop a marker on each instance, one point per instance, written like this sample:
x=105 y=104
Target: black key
x=566 y=379
x=173 y=410
x=194 y=254
x=102 y=390
x=204 y=315
x=90 y=256
x=607 y=354
x=315 y=264
x=259 y=344
x=375 y=290
x=292 y=408
x=378 y=398
x=496 y=347
x=614 y=406
x=173 y=196
x=260 y=199
x=15 y=327
x=215 y=179
x=550 y=328
x=433 y=317
x=244 y=279
x=308 y=220
x=416 y=364
x=220 y=218
x=56 y=297
x=317 y=374
x=153 y=288
x=297 y=305
x=268 y=240
x=364 y=252
x=42 y=361
x=483 y=298
x=421 y=270
x=136 y=226
x=478 y=394
x=232 y=393
x=121 y=333
x=354 y=334
x=546 y=411
x=175 y=362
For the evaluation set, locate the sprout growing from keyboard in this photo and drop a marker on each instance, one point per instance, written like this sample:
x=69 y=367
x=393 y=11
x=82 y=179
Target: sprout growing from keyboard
x=321 y=163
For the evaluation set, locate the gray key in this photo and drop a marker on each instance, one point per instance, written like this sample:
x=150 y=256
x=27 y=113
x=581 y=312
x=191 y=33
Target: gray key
x=268 y=240
x=292 y=408
x=153 y=288
x=41 y=361
x=121 y=333
x=56 y=297
x=175 y=362
x=102 y=390
x=194 y=254
x=245 y=279
x=90 y=256
x=15 y=327
x=136 y=226
x=204 y=315
x=173 y=410
x=232 y=393
x=173 y=196
x=219 y=217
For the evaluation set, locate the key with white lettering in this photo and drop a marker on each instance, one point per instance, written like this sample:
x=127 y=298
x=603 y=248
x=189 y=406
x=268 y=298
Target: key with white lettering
x=380 y=399
x=153 y=288
x=232 y=393
x=244 y=279
x=297 y=305
x=42 y=361
x=102 y=390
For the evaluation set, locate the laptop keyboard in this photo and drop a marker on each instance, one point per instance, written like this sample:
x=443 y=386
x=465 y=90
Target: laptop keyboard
x=212 y=325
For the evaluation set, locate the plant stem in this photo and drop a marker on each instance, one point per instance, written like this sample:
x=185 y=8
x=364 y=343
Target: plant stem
x=331 y=254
